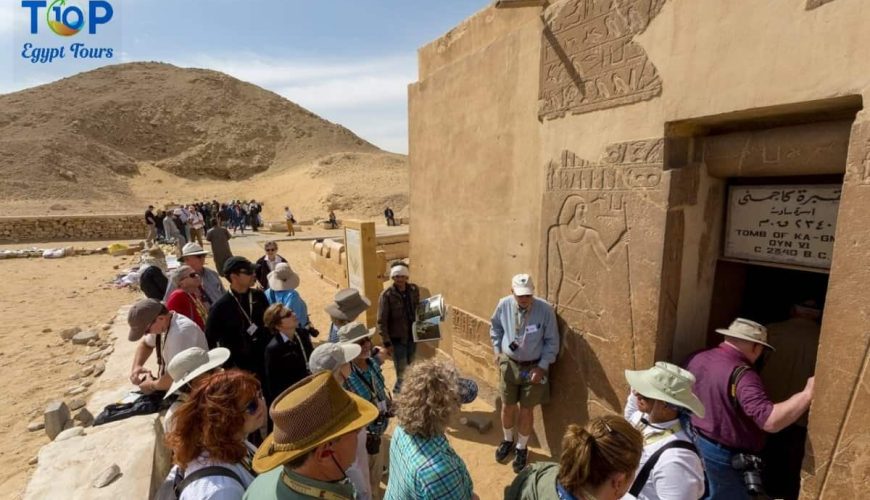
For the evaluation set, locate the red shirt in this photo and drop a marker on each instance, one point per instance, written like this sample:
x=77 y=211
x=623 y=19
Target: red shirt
x=735 y=428
x=180 y=302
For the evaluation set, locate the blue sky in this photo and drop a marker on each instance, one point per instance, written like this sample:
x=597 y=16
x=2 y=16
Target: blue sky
x=348 y=61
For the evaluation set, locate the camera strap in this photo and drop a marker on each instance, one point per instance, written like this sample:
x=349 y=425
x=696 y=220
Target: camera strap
x=646 y=470
x=733 y=380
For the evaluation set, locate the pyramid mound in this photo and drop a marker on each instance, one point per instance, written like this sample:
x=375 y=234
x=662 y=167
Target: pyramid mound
x=86 y=136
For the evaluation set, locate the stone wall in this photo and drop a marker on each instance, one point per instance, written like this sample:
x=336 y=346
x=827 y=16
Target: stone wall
x=549 y=141
x=71 y=227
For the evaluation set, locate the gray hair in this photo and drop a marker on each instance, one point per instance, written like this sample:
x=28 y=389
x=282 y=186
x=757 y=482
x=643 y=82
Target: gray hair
x=179 y=274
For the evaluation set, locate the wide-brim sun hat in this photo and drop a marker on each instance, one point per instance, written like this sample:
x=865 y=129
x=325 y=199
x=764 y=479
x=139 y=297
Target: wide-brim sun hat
x=328 y=356
x=354 y=332
x=669 y=383
x=193 y=362
x=283 y=278
x=191 y=250
x=745 y=329
x=311 y=412
x=348 y=305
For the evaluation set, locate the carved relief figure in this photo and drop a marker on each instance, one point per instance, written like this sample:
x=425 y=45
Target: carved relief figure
x=585 y=275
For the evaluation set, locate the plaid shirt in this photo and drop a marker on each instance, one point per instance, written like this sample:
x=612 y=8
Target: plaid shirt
x=426 y=468
x=358 y=383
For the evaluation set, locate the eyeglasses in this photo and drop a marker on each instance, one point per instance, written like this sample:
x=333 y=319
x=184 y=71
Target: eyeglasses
x=192 y=275
x=246 y=272
x=254 y=405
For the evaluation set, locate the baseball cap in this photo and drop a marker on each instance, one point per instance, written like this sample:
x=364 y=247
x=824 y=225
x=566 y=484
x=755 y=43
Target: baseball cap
x=331 y=356
x=236 y=263
x=522 y=284
x=140 y=317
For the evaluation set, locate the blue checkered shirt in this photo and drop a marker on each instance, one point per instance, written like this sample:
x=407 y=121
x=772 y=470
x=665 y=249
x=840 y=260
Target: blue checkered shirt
x=358 y=383
x=426 y=468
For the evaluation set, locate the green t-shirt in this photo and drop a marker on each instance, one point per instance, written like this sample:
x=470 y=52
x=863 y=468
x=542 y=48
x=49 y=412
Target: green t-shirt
x=535 y=482
x=270 y=486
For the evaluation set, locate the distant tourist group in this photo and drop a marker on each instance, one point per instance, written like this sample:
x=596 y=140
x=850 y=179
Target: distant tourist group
x=262 y=410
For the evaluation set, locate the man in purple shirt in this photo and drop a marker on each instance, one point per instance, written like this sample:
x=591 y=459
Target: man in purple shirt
x=739 y=424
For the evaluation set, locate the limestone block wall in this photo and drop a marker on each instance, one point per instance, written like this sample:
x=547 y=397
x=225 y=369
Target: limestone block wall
x=548 y=141
x=71 y=227
x=328 y=257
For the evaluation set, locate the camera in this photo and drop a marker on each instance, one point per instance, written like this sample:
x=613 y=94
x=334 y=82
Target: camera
x=750 y=466
x=513 y=346
x=373 y=443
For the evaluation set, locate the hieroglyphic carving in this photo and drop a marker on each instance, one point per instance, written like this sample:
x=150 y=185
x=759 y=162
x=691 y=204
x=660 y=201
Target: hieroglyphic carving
x=586 y=255
x=812 y=4
x=589 y=60
x=468 y=326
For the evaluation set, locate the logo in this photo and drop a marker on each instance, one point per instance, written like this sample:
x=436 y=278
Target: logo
x=68 y=18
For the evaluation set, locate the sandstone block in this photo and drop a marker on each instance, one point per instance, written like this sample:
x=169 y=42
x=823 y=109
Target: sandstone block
x=76 y=403
x=99 y=368
x=72 y=391
x=35 y=426
x=69 y=333
x=56 y=416
x=84 y=417
x=83 y=338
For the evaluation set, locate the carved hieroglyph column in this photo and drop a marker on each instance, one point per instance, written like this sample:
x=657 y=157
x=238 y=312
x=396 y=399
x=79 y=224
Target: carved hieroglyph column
x=601 y=268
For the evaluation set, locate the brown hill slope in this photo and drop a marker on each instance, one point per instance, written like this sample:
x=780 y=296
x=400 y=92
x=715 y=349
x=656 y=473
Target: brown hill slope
x=88 y=139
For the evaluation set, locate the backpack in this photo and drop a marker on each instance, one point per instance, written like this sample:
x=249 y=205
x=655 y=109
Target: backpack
x=176 y=482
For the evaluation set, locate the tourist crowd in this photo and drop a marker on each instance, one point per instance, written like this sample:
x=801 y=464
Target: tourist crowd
x=262 y=412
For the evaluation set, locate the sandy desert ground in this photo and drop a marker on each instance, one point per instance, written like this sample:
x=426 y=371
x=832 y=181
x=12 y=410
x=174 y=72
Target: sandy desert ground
x=39 y=298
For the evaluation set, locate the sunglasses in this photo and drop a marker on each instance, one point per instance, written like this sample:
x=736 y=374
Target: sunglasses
x=254 y=404
x=271 y=249
x=246 y=272
x=192 y=275
x=288 y=314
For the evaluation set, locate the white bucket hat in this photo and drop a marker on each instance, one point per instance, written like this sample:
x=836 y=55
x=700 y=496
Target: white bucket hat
x=283 y=278
x=522 y=284
x=746 y=329
x=668 y=383
x=192 y=249
x=191 y=363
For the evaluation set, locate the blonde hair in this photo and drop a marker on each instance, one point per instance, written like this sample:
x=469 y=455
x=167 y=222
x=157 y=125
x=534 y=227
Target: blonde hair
x=590 y=455
x=273 y=316
x=430 y=394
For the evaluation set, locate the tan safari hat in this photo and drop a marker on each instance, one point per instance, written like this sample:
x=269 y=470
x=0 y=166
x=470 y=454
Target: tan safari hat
x=666 y=382
x=746 y=329
x=193 y=362
x=314 y=411
x=354 y=332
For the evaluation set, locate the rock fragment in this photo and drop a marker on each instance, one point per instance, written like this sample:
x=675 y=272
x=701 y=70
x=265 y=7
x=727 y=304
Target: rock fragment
x=56 y=416
x=107 y=476
x=70 y=433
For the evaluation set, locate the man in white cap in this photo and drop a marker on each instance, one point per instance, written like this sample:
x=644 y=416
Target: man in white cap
x=739 y=413
x=660 y=402
x=525 y=338
x=397 y=308
x=194 y=256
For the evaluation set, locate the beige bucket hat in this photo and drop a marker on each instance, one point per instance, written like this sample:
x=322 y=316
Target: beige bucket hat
x=669 y=383
x=314 y=411
x=283 y=278
x=348 y=305
x=193 y=362
x=354 y=332
x=746 y=329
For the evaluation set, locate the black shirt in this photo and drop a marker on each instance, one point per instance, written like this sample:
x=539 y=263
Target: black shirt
x=227 y=326
x=286 y=362
x=149 y=217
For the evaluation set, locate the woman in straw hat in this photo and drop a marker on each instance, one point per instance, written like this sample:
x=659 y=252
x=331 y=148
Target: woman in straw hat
x=208 y=435
x=422 y=462
x=659 y=406
x=598 y=462
x=186 y=299
x=313 y=444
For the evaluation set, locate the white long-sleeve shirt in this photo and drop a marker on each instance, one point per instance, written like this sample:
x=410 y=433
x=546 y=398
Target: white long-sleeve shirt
x=679 y=473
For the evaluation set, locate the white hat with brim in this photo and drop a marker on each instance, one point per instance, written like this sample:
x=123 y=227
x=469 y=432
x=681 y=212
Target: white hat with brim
x=330 y=357
x=669 y=383
x=283 y=278
x=191 y=363
x=746 y=329
x=191 y=250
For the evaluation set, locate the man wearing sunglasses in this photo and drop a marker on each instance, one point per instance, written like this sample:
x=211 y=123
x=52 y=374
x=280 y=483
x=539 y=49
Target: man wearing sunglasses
x=236 y=319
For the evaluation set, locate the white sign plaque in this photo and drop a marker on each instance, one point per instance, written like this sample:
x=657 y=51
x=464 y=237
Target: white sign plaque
x=792 y=224
x=353 y=247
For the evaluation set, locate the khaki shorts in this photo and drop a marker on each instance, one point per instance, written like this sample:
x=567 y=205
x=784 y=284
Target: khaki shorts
x=514 y=390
